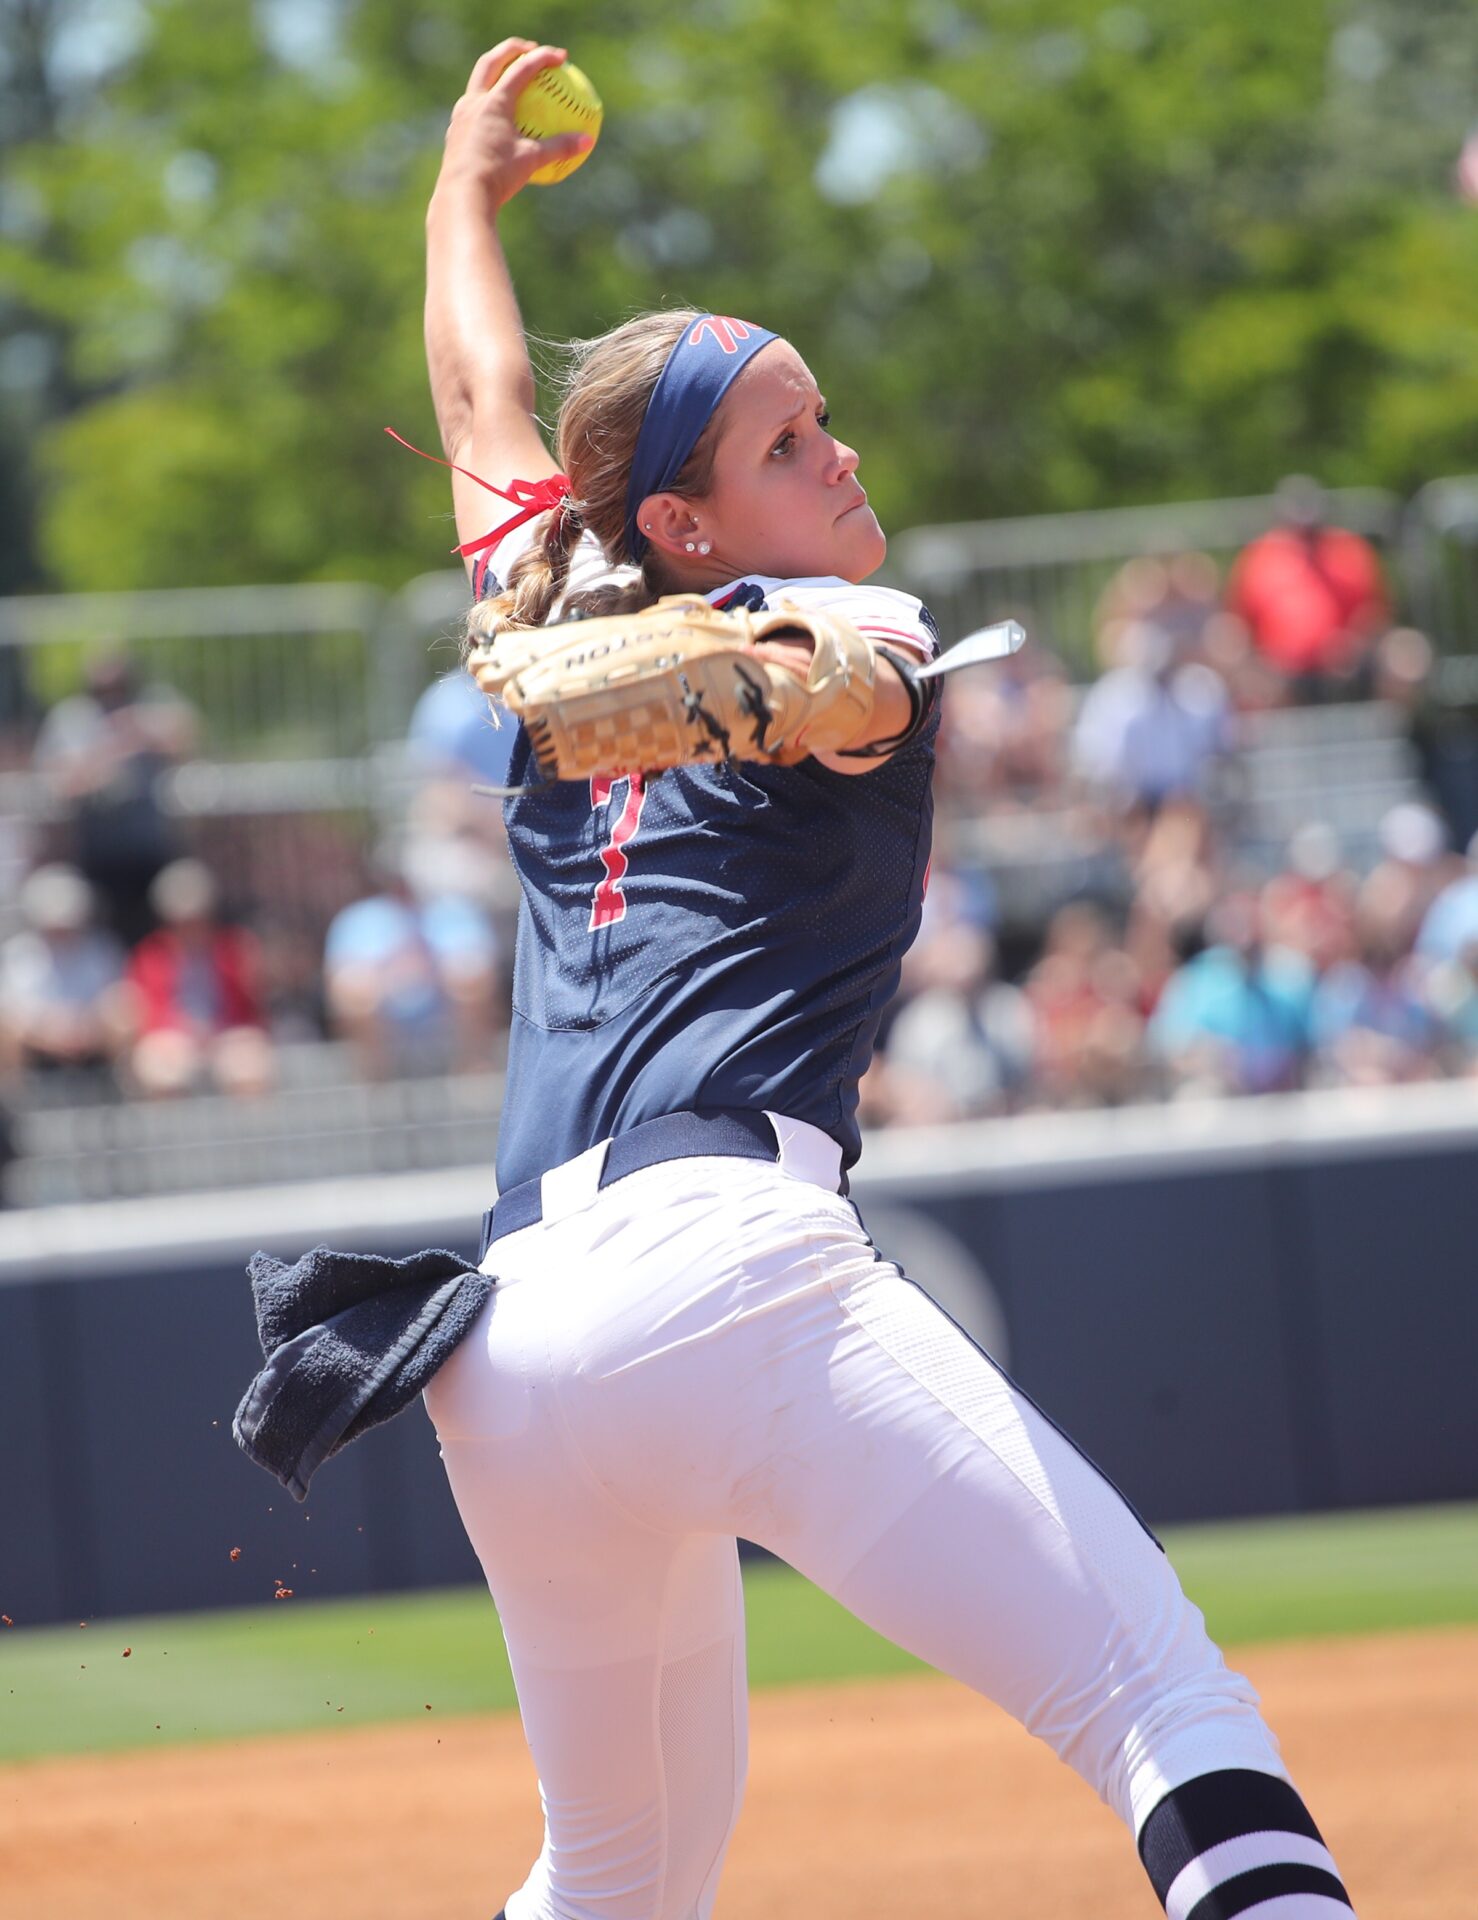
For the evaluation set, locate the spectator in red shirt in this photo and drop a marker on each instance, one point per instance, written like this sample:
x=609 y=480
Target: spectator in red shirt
x=198 y=1012
x=1311 y=595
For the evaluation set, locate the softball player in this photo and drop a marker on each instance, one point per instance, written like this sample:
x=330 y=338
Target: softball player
x=692 y=1337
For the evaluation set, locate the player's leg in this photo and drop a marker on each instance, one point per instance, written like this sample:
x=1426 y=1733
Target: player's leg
x=640 y=1745
x=626 y=1642
x=938 y=1504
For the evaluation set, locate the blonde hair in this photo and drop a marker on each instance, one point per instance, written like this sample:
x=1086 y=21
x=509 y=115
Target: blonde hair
x=604 y=390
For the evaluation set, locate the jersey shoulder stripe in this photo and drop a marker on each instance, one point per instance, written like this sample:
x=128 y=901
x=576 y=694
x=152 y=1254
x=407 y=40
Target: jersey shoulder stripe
x=875 y=630
x=882 y=613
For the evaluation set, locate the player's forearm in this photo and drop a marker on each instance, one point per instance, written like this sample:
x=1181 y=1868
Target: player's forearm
x=892 y=708
x=892 y=705
x=475 y=351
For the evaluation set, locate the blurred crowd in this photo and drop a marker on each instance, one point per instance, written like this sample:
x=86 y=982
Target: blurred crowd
x=1171 y=959
x=1182 y=959
x=144 y=968
x=1207 y=982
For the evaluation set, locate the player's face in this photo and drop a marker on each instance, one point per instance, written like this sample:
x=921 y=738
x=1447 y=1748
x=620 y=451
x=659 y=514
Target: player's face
x=785 y=498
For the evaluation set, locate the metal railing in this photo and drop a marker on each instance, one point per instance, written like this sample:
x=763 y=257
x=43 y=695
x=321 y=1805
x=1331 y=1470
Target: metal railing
x=1050 y=571
x=327 y=1127
x=1439 y=544
x=276 y=671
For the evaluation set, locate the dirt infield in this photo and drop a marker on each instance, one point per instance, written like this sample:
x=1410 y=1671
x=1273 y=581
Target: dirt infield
x=866 y=1800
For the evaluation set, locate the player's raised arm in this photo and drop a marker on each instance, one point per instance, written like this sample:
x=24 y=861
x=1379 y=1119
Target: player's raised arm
x=482 y=386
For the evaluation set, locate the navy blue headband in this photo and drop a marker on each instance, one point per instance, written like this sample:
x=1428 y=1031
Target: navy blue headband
x=696 y=377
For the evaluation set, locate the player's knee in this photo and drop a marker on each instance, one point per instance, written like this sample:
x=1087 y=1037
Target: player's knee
x=1143 y=1731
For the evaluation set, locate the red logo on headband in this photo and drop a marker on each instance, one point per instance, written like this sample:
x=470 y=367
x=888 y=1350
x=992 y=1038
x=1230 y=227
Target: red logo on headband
x=727 y=332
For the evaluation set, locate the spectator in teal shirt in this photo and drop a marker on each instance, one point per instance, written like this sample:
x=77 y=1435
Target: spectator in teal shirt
x=410 y=977
x=1235 y=1019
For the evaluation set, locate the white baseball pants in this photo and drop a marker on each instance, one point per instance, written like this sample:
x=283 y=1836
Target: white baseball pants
x=710 y=1348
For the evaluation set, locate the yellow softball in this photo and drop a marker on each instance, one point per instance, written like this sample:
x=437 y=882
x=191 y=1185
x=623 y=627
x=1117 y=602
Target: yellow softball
x=558 y=100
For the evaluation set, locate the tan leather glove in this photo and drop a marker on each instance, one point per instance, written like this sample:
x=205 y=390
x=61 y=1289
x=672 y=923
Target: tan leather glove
x=678 y=682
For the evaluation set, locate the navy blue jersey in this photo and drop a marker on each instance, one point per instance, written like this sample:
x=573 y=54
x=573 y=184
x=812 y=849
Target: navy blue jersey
x=713 y=936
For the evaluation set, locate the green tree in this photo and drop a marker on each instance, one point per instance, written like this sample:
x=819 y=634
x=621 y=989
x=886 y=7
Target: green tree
x=52 y=60
x=1041 y=253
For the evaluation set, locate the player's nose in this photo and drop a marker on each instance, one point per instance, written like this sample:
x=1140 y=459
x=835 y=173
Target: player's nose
x=846 y=459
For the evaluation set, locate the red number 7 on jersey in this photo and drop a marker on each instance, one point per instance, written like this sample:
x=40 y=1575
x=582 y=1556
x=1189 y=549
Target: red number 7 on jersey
x=609 y=904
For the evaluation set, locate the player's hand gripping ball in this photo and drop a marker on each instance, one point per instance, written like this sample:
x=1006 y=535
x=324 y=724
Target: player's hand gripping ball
x=559 y=100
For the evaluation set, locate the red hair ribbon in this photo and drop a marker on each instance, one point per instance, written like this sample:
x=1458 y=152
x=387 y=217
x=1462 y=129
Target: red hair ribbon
x=531 y=497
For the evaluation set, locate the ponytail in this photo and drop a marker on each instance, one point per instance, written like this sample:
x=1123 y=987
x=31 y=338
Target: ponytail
x=604 y=393
x=539 y=574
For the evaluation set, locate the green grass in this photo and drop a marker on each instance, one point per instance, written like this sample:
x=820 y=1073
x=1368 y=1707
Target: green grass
x=1335 y=1573
x=294 y=1665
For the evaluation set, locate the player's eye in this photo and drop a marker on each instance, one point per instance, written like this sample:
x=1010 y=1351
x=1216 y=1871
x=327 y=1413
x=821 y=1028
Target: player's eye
x=787 y=439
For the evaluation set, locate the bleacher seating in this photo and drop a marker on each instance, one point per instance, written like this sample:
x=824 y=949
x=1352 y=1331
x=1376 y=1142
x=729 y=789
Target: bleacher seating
x=319 y=1124
x=1346 y=766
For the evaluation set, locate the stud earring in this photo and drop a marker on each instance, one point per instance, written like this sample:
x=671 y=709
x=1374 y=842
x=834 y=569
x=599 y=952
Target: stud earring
x=705 y=546
x=689 y=546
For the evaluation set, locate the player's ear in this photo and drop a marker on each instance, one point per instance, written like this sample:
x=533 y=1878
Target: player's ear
x=672 y=524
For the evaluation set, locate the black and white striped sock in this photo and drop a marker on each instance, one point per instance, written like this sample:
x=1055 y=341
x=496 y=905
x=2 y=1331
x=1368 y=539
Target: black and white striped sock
x=1237 y=1842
